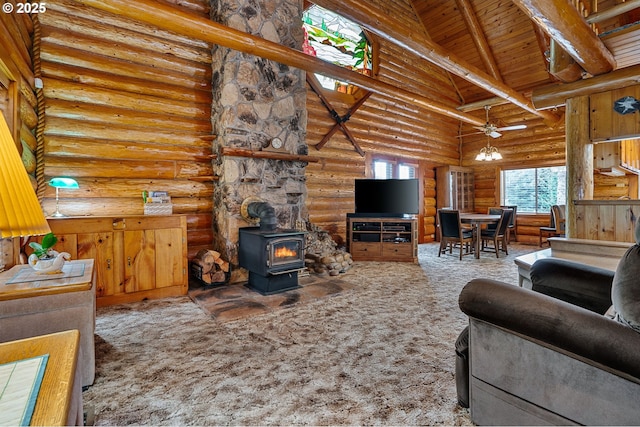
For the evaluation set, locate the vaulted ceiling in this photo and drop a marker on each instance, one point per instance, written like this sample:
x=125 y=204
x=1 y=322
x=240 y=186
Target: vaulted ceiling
x=496 y=51
x=500 y=51
x=511 y=42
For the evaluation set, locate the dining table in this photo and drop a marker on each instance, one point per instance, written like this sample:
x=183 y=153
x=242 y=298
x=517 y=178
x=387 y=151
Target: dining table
x=476 y=220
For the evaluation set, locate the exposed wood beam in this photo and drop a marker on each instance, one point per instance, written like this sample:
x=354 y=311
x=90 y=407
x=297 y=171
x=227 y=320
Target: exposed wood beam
x=561 y=65
x=561 y=20
x=616 y=10
x=479 y=38
x=556 y=95
x=383 y=24
x=183 y=22
x=479 y=105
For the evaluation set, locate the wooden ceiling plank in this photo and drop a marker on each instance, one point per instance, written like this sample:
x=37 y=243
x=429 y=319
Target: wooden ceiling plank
x=479 y=39
x=187 y=23
x=561 y=20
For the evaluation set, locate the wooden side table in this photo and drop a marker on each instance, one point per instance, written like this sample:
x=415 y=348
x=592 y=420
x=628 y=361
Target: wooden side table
x=59 y=400
x=43 y=304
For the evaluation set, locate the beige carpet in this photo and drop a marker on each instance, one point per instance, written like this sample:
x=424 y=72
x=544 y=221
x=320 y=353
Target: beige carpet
x=379 y=353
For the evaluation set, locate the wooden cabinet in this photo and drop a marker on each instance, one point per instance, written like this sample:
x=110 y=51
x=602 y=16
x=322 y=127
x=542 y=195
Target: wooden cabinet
x=454 y=188
x=136 y=257
x=383 y=239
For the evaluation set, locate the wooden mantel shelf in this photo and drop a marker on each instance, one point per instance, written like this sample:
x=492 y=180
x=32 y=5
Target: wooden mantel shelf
x=241 y=152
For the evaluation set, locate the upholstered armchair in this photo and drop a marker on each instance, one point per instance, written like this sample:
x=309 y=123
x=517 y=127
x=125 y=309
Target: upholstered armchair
x=529 y=358
x=534 y=359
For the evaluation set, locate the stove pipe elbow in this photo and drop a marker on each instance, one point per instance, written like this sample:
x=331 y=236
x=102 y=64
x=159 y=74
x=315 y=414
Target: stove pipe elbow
x=266 y=213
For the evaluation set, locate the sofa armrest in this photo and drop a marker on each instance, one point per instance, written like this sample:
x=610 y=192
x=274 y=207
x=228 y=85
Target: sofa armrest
x=554 y=323
x=579 y=284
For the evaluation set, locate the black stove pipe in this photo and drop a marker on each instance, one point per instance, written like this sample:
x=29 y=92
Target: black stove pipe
x=265 y=212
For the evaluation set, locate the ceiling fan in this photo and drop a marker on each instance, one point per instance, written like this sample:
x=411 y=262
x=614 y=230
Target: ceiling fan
x=493 y=130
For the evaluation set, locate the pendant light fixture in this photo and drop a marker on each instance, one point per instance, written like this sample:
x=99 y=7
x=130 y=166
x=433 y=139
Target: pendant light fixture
x=488 y=153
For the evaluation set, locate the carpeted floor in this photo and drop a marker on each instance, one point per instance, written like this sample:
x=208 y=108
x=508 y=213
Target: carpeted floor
x=378 y=352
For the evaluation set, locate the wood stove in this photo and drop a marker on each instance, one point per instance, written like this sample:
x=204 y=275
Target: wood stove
x=272 y=255
x=273 y=258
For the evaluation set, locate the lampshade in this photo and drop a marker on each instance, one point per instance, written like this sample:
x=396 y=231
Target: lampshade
x=61 y=182
x=20 y=210
x=488 y=153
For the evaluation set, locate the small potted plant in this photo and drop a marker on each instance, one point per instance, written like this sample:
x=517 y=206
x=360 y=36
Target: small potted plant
x=44 y=259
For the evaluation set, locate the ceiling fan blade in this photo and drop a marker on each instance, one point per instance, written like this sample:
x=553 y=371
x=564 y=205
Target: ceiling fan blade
x=495 y=134
x=514 y=127
x=469 y=134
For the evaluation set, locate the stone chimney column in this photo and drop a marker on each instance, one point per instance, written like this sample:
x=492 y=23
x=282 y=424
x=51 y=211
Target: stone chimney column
x=254 y=102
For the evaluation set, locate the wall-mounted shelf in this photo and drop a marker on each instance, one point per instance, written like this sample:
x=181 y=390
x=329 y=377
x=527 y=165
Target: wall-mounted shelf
x=241 y=152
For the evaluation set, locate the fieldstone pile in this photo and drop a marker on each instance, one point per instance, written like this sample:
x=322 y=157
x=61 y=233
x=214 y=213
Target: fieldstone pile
x=322 y=254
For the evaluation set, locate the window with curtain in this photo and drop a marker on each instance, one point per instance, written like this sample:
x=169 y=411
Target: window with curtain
x=534 y=190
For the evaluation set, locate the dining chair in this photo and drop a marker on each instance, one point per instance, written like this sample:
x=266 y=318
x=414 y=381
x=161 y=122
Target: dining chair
x=494 y=210
x=513 y=224
x=556 y=223
x=498 y=235
x=452 y=234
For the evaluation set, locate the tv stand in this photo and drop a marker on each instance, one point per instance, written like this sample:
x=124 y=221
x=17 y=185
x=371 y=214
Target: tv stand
x=382 y=239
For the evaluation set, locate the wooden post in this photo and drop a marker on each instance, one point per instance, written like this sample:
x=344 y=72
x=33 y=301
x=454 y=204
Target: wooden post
x=579 y=154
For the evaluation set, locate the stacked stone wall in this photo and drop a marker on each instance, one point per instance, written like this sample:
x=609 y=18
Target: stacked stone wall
x=254 y=102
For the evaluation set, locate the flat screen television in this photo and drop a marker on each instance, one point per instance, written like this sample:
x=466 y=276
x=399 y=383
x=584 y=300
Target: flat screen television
x=386 y=197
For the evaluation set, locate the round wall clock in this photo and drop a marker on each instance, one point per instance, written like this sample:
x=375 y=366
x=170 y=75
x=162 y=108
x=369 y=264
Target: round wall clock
x=276 y=143
x=626 y=105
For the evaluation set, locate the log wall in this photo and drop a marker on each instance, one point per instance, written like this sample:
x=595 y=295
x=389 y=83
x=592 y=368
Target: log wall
x=382 y=126
x=128 y=108
x=18 y=101
x=539 y=145
x=542 y=146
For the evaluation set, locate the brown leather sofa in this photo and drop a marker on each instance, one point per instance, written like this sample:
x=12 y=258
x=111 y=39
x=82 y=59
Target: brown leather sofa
x=534 y=359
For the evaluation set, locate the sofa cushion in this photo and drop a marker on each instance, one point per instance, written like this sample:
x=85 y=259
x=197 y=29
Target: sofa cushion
x=625 y=290
x=579 y=284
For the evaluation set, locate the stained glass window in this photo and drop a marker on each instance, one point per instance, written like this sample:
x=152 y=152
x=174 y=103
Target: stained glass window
x=335 y=39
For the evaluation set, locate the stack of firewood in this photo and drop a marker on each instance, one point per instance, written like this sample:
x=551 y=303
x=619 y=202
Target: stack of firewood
x=212 y=268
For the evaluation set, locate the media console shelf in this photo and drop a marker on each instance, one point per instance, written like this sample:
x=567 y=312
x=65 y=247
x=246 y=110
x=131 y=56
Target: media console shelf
x=382 y=239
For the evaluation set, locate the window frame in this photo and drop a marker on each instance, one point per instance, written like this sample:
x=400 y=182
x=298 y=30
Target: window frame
x=395 y=162
x=537 y=210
